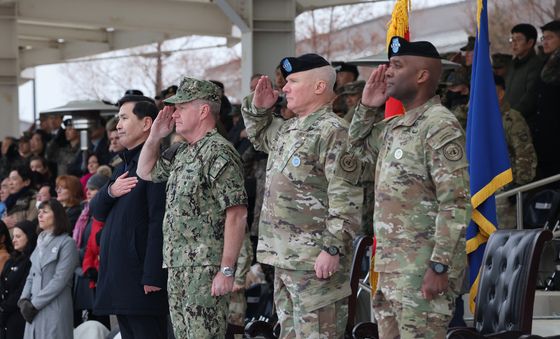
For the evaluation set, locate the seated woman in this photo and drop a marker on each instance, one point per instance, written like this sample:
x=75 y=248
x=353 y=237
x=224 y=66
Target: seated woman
x=46 y=300
x=13 y=279
x=70 y=195
x=21 y=201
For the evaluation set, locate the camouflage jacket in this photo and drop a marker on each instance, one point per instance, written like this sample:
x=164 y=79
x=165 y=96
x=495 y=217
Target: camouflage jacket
x=522 y=155
x=311 y=198
x=203 y=180
x=421 y=187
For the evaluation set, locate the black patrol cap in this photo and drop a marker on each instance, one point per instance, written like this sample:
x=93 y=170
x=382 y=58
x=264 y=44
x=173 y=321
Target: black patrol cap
x=400 y=46
x=340 y=66
x=305 y=62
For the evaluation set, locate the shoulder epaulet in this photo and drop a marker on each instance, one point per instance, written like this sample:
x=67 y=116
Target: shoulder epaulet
x=169 y=153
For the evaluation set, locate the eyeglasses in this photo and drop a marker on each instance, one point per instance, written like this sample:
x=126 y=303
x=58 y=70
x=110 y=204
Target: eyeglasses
x=60 y=188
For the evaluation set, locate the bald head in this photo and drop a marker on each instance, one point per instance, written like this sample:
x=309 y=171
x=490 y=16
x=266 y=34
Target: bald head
x=306 y=91
x=326 y=74
x=434 y=68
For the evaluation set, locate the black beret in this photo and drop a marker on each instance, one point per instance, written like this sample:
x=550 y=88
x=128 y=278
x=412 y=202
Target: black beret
x=133 y=92
x=340 y=66
x=291 y=65
x=400 y=46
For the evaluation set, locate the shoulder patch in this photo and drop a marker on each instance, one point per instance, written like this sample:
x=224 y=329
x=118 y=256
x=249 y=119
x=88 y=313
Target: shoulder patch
x=348 y=162
x=218 y=166
x=453 y=151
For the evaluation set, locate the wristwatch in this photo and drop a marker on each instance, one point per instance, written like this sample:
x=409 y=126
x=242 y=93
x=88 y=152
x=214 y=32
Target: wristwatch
x=227 y=271
x=332 y=250
x=438 y=267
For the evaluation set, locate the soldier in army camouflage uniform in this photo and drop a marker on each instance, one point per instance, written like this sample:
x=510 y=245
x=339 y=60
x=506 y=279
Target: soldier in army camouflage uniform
x=421 y=193
x=312 y=205
x=352 y=93
x=238 y=302
x=205 y=215
x=522 y=155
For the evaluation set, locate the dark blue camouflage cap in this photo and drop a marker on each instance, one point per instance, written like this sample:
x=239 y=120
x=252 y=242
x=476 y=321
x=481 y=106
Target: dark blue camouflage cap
x=400 y=46
x=305 y=62
x=193 y=89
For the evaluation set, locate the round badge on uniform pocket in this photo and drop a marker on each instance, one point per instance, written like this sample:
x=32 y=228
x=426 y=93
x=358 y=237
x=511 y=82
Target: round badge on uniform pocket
x=398 y=154
x=296 y=161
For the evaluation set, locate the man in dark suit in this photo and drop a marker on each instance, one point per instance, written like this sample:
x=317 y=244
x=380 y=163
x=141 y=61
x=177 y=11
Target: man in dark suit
x=132 y=282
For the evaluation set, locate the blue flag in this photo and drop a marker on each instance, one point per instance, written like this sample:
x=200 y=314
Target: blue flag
x=487 y=152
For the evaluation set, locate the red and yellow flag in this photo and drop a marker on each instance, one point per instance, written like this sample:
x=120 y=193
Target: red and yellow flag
x=398 y=26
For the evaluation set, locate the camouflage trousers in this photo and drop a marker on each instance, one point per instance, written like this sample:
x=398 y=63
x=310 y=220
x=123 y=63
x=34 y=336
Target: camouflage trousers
x=237 y=309
x=402 y=312
x=305 y=305
x=195 y=313
x=506 y=213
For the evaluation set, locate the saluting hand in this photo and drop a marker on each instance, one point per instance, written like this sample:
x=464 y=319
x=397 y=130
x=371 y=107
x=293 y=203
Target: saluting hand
x=375 y=90
x=163 y=124
x=265 y=96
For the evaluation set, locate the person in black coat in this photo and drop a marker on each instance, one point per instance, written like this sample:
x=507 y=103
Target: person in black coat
x=12 y=280
x=131 y=282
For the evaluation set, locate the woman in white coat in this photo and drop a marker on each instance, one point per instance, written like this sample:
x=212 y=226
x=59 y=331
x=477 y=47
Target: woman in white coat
x=46 y=300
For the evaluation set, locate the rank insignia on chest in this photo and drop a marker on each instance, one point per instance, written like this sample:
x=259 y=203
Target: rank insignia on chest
x=398 y=154
x=296 y=161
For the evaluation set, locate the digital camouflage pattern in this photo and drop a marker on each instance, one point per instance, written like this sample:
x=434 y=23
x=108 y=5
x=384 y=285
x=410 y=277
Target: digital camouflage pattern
x=402 y=312
x=193 y=89
x=194 y=312
x=203 y=180
x=523 y=160
x=311 y=316
x=421 y=187
x=238 y=303
x=311 y=200
x=421 y=213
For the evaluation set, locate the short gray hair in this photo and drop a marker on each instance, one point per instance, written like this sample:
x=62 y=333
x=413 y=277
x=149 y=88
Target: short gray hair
x=214 y=107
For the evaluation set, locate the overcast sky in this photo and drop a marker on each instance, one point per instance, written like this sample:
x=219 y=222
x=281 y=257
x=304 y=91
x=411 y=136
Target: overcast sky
x=52 y=87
